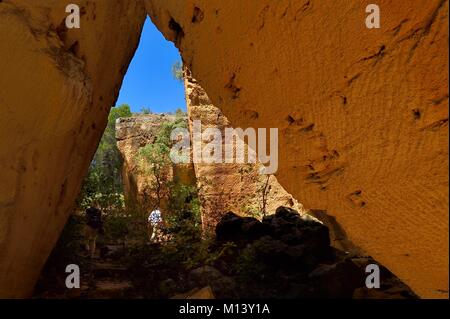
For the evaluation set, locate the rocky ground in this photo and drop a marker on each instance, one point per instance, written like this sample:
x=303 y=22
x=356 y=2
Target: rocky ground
x=286 y=255
x=289 y=256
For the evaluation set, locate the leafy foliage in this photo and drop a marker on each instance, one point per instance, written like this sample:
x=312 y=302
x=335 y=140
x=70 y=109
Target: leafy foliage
x=104 y=180
x=154 y=160
x=177 y=71
x=146 y=110
x=183 y=221
x=179 y=113
x=256 y=204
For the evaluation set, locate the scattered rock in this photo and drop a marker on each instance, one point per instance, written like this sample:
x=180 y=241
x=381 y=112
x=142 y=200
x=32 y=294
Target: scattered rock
x=337 y=280
x=253 y=228
x=203 y=276
x=289 y=256
x=271 y=251
x=287 y=213
x=229 y=227
x=224 y=287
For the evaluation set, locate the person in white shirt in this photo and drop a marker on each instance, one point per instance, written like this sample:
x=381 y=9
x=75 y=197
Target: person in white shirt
x=154 y=223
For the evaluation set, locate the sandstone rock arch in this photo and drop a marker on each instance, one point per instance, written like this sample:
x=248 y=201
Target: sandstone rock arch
x=363 y=114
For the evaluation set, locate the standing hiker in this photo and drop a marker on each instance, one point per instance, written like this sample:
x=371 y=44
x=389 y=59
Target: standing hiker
x=154 y=224
x=94 y=226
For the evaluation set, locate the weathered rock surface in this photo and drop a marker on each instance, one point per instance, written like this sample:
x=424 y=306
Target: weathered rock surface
x=362 y=113
x=223 y=187
x=57 y=88
x=132 y=134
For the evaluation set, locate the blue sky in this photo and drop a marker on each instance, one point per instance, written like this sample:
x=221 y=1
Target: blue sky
x=149 y=81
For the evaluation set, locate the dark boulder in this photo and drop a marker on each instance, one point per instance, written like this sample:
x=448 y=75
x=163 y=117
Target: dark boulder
x=292 y=238
x=287 y=213
x=203 y=276
x=224 y=287
x=271 y=251
x=168 y=287
x=229 y=227
x=338 y=280
x=288 y=255
x=235 y=228
x=253 y=229
x=317 y=238
x=279 y=255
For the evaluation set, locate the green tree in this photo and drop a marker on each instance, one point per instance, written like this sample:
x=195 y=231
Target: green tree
x=184 y=218
x=177 y=71
x=104 y=179
x=154 y=160
x=179 y=113
x=146 y=110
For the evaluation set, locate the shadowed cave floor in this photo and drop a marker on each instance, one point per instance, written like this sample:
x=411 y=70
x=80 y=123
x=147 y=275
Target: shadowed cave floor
x=286 y=256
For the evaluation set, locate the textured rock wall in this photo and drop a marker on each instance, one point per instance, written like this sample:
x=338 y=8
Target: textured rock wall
x=228 y=187
x=362 y=113
x=57 y=86
x=132 y=134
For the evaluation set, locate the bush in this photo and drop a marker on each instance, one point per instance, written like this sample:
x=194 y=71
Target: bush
x=146 y=110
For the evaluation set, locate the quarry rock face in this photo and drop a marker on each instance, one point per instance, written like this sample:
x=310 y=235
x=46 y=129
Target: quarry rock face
x=221 y=187
x=132 y=134
x=224 y=187
x=57 y=88
x=362 y=113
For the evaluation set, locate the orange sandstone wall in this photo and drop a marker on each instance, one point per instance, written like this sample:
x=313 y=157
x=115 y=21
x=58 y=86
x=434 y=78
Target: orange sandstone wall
x=132 y=134
x=362 y=113
x=224 y=187
x=57 y=86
